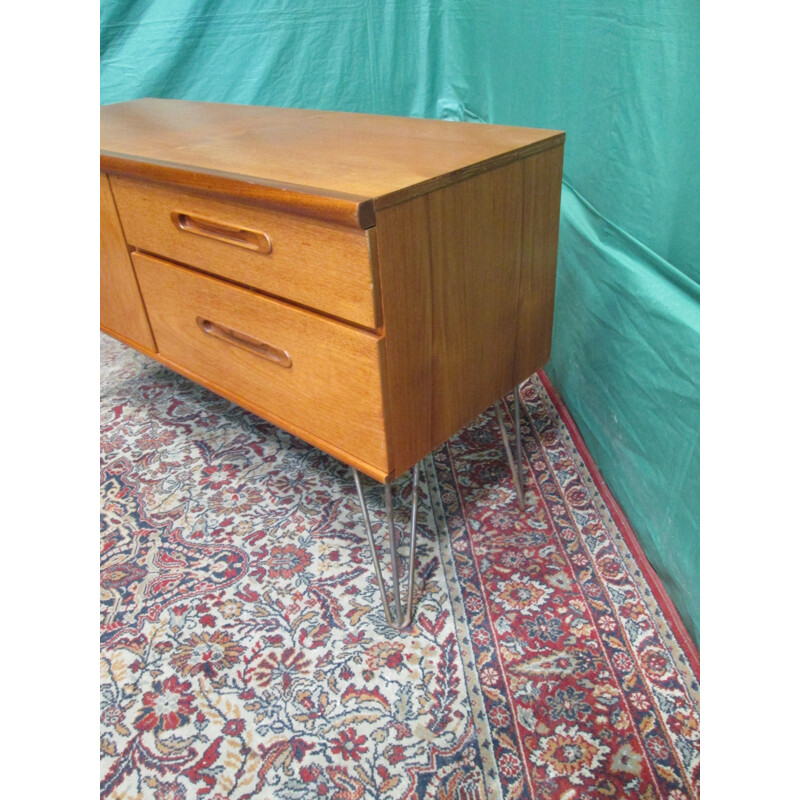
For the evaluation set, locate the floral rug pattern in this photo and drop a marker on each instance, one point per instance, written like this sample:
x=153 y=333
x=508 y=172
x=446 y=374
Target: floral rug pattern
x=244 y=652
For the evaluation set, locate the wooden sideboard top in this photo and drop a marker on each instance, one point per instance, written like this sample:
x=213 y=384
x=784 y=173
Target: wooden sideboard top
x=335 y=165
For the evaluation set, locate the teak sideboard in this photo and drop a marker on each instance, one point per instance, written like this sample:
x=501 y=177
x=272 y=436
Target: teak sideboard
x=367 y=283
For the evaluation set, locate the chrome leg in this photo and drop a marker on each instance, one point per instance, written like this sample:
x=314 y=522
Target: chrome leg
x=397 y=620
x=516 y=469
x=518 y=439
x=387 y=492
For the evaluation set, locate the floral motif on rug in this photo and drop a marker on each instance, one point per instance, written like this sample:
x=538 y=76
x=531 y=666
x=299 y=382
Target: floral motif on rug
x=244 y=651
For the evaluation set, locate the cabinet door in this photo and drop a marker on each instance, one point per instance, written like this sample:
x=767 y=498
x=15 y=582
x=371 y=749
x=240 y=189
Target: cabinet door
x=122 y=311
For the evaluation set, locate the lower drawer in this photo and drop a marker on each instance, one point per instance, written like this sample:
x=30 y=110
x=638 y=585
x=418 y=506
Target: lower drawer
x=309 y=374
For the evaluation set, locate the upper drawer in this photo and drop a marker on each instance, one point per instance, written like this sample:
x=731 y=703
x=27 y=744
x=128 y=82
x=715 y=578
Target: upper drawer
x=315 y=263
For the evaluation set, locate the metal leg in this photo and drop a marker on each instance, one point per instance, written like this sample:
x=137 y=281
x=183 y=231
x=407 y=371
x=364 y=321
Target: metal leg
x=396 y=620
x=516 y=469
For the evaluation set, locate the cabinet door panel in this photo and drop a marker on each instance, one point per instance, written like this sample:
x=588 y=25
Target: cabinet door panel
x=122 y=311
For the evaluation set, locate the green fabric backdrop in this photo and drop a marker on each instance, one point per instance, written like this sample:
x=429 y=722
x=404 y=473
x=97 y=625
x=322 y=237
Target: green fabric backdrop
x=621 y=78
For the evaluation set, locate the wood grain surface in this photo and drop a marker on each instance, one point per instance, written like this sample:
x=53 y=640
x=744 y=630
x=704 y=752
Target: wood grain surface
x=314 y=263
x=468 y=277
x=370 y=284
x=331 y=392
x=352 y=159
x=121 y=307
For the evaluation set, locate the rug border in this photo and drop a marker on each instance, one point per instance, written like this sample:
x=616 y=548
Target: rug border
x=651 y=577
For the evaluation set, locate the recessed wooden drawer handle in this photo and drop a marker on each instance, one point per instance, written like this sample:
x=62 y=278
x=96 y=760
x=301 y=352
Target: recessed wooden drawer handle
x=243 y=340
x=222 y=232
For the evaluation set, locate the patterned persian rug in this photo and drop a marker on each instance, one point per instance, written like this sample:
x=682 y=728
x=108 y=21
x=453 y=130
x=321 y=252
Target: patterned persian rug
x=244 y=651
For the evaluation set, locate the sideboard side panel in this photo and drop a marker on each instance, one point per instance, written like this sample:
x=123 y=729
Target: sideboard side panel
x=468 y=278
x=121 y=308
x=476 y=245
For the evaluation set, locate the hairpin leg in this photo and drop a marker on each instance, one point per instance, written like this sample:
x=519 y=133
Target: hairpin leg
x=516 y=470
x=397 y=620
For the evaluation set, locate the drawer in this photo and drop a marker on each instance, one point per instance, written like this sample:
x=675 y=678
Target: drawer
x=314 y=376
x=315 y=263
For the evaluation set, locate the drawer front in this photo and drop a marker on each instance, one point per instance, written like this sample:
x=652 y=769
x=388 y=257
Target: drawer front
x=317 y=264
x=320 y=376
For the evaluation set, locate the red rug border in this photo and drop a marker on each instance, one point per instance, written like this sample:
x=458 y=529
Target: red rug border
x=664 y=600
